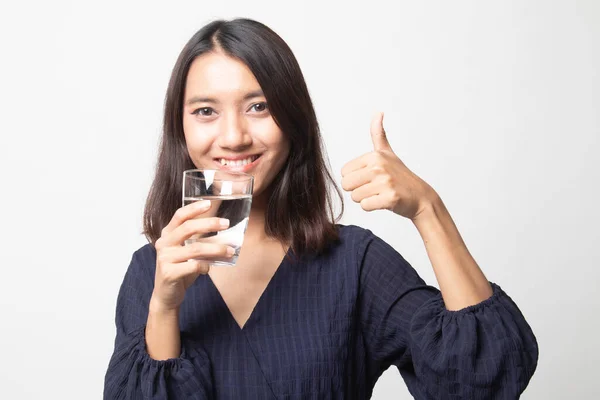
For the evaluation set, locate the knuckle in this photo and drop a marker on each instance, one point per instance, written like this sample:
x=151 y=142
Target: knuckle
x=211 y=249
x=179 y=214
x=197 y=248
x=188 y=227
x=377 y=168
x=160 y=273
x=387 y=180
x=163 y=232
x=168 y=276
x=160 y=242
x=162 y=258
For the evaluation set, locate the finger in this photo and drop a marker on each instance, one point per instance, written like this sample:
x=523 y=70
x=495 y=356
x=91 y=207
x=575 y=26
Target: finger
x=199 y=250
x=192 y=268
x=187 y=212
x=378 y=135
x=372 y=203
x=356 y=164
x=193 y=227
x=364 y=192
x=178 y=271
x=357 y=178
x=203 y=267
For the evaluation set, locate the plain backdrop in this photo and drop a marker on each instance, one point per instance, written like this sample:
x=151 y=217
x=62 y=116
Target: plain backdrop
x=495 y=104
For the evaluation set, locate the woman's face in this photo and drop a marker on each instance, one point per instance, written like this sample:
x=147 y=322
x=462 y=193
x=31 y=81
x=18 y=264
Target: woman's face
x=227 y=123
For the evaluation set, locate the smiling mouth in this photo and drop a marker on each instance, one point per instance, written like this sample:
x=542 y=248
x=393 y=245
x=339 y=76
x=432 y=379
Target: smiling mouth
x=237 y=163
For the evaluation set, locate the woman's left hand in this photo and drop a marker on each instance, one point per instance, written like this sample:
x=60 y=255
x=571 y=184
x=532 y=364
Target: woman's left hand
x=379 y=180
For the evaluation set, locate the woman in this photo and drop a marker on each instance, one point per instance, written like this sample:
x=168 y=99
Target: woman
x=312 y=309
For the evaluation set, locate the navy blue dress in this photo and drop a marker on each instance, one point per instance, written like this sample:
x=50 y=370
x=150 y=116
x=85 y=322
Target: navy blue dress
x=324 y=328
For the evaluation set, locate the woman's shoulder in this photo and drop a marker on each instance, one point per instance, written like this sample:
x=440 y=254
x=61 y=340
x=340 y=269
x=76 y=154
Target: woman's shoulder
x=356 y=249
x=351 y=235
x=355 y=241
x=147 y=251
x=143 y=260
x=351 y=230
x=352 y=241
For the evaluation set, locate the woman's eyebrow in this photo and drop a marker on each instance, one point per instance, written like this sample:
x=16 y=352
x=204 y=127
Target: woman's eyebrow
x=200 y=99
x=253 y=94
x=203 y=99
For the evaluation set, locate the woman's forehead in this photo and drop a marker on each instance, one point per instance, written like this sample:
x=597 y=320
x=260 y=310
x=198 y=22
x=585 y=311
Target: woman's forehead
x=217 y=75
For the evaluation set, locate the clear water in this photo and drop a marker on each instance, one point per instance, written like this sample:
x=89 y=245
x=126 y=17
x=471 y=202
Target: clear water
x=236 y=208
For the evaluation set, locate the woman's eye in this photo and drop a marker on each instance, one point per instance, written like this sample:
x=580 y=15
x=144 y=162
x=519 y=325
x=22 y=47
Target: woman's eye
x=204 y=111
x=259 y=107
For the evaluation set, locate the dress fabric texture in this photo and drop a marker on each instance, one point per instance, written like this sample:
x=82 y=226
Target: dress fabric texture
x=325 y=327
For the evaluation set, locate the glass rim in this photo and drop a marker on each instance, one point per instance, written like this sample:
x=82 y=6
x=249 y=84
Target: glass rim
x=241 y=175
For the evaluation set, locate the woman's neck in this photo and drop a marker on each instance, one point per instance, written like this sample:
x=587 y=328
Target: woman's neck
x=256 y=232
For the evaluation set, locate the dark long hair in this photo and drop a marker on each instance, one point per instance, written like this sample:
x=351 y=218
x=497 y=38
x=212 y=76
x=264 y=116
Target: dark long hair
x=300 y=206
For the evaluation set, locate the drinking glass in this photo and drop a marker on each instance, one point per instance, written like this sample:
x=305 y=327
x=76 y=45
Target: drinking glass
x=230 y=194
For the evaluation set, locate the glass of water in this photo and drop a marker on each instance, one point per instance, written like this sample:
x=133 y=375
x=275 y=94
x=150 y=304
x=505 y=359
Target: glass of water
x=230 y=194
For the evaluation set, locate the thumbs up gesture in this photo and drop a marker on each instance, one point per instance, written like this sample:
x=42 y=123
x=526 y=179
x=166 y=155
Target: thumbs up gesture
x=379 y=180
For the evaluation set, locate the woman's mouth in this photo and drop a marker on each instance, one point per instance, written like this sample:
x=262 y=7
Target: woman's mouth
x=238 y=164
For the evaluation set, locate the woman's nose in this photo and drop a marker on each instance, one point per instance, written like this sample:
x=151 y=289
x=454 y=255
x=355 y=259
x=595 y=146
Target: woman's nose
x=234 y=133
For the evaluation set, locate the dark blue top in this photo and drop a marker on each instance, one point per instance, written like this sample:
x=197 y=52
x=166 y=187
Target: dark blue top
x=324 y=328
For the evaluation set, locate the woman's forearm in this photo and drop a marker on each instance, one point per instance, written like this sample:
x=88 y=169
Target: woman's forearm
x=163 y=338
x=461 y=281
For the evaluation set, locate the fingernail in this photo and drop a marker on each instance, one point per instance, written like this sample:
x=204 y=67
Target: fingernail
x=230 y=251
x=224 y=222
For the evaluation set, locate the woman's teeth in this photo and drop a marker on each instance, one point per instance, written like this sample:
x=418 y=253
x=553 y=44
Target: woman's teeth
x=238 y=163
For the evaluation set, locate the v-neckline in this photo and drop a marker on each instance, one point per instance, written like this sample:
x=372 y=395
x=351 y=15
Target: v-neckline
x=251 y=317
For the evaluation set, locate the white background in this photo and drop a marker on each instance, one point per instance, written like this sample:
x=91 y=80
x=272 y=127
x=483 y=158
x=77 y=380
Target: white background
x=495 y=104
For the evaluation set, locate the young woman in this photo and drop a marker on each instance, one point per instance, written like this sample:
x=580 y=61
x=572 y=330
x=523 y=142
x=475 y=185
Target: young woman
x=312 y=309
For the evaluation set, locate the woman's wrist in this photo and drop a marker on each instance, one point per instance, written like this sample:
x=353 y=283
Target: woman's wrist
x=157 y=308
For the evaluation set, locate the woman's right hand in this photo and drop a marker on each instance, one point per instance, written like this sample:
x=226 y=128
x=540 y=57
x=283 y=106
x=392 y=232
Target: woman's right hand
x=176 y=267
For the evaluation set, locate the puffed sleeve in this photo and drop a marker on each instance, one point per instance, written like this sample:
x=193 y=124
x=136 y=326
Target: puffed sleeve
x=131 y=373
x=486 y=351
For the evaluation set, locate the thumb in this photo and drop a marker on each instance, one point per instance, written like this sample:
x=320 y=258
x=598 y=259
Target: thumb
x=378 y=136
